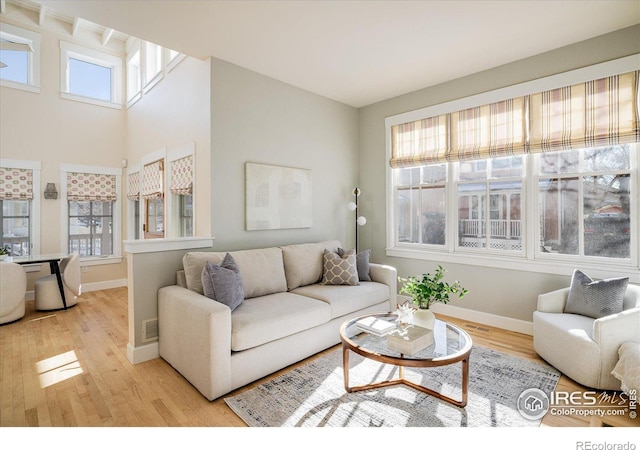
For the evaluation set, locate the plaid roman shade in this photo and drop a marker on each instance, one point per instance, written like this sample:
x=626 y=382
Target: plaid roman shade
x=153 y=180
x=84 y=187
x=16 y=184
x=489 y=131
x=133 y=186
x=182 y=176
x=596 y=113
x=418 y=143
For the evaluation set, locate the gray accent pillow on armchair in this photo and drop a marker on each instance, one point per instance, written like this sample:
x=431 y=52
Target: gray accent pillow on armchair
x=223 y=282
x=596 y=299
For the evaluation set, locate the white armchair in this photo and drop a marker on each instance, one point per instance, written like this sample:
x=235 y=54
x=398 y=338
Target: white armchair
x=583 y=348
x=12 y=292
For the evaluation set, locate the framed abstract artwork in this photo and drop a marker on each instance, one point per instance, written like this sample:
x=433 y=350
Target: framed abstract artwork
x=277 y=197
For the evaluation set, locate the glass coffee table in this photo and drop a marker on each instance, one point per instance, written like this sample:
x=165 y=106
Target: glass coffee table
x=445 y=344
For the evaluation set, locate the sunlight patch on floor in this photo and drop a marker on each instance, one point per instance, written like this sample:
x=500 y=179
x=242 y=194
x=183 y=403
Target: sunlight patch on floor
x=58 y=368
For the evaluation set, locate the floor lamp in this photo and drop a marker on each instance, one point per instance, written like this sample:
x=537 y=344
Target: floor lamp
x=353 y=206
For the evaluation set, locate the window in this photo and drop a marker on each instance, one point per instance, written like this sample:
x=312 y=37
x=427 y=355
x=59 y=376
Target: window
x=91 y=213
x=91 y=228
x=546 y=177
x=490 y=204
x=181 y=188
x=172 y=59
x=134 y=74
x=152 y=191
x=19 y=207
x=90 y=76
x=19 y=58
x=585 y=202
x=152 y=65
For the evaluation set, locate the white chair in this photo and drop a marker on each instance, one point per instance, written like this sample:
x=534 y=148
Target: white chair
x=13 y=281
x=583 y=348
x=47 y=291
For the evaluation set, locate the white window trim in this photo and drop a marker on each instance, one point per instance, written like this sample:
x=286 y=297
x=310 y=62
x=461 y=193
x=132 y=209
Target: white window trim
x=148 y=84
x=116 y=258
x=172 y=204
x=530 y=262
x=36 y=167
x=131 y=50
x=68 y=50
x=15 y=34
x=172 y=63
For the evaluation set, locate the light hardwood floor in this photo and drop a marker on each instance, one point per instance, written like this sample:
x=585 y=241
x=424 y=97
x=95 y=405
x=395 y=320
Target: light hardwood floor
x=70 y=368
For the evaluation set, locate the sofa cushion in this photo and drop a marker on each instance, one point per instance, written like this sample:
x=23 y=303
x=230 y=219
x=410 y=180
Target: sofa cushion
x=303 y=262
x=270 y=317
x=262 y=270
x=339 y=269
x=347 y=299
x=595 y=298
x=223 y=282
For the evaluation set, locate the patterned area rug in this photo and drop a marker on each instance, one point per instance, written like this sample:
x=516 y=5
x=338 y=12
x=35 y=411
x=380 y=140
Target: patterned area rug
x=313 y=394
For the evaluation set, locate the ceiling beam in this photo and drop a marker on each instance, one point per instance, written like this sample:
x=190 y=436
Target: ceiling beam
x=106 y=36
x=43 y=13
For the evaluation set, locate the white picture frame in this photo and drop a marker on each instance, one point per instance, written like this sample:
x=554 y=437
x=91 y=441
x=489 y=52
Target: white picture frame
x=277 y=197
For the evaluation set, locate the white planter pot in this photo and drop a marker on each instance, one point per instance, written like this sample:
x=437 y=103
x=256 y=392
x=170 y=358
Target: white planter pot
x=424 y=318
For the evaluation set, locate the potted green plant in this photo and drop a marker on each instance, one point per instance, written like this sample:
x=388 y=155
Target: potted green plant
x=4 y=252
x=429 y=289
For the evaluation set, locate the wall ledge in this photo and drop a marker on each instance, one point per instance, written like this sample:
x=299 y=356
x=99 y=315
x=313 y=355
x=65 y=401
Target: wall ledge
x=166 y=244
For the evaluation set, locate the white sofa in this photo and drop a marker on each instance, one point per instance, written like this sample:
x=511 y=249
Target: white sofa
x=287 y=315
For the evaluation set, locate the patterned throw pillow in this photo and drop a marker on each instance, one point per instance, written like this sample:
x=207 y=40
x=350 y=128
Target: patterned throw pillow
x=595 y=298
x=338 y=270
x=223 y=282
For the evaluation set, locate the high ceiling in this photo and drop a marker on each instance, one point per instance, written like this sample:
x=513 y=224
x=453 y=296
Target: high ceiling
x=360 y=52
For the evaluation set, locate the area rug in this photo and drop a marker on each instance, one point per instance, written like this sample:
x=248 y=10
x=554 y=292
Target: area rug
x=313 y=395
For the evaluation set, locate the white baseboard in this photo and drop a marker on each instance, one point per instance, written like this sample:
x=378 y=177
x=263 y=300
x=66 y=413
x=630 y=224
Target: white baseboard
x=137 y=355
x=506 y=323
x=89 y=287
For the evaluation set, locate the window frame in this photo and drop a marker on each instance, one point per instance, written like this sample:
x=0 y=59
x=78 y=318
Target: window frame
x=150 y=80
x=173 y=213
x=133 y=50
x=114 y=258
x=72 y=51
x=20 y=35
x=529 y=262
x=34 y=209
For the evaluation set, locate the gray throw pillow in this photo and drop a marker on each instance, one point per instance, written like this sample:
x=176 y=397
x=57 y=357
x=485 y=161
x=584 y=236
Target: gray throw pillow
x=595 y=299
x=223 y=282
x=362 y=263
x=338 y=269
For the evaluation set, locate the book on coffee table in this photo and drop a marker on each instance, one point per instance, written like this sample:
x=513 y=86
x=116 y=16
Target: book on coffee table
x=376 y=326
x=409 y=339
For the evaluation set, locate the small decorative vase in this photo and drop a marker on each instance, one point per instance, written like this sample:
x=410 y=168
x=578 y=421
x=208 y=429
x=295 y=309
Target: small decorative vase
x=424 y=318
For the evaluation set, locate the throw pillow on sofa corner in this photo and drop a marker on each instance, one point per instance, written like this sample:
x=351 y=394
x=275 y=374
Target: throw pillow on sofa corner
x=223 y=282
x=340 y=270
x=362 y=263
x=595 y=298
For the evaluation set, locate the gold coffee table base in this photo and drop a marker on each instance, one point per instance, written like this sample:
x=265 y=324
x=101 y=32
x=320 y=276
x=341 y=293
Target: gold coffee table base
x=401 y=380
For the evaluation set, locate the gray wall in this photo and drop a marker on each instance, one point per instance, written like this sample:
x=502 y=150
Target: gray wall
x=506 y=293
x=258 y=119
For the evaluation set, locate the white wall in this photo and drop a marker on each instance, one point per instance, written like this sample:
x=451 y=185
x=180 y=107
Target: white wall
x=44 y=127
x=501 y=292
x=258 y=119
